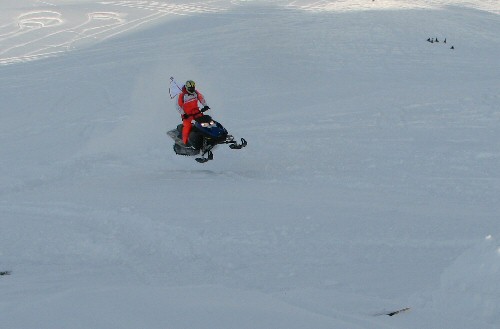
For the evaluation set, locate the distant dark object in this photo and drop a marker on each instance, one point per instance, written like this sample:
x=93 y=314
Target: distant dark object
x=452 y=47
x=398 y=311
x=437 y=40
x=5 y=273
x=392 y=313
x=444 y=40
x=429 y=40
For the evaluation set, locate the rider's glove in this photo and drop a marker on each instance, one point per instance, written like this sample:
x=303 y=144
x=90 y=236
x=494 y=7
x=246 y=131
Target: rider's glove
x=205 y=108
x=185 y=116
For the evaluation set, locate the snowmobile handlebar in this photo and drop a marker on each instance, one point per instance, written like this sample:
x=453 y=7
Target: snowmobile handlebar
x=202 y=110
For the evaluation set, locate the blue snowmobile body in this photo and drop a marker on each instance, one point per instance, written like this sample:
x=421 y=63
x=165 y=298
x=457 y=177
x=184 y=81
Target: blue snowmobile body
x=205 y=135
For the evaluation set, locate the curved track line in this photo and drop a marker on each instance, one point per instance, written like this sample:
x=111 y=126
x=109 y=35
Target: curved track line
x=39 y=19
x=175 y=9
x=99 y=25
x=31 y=21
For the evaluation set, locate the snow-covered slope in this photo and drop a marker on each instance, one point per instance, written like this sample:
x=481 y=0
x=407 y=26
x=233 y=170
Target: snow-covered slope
x=370 y=182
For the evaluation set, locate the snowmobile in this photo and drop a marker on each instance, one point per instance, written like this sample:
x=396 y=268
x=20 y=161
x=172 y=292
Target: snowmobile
x=205 y=135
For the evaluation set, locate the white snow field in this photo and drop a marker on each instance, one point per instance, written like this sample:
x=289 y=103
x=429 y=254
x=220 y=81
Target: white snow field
x=370 y=183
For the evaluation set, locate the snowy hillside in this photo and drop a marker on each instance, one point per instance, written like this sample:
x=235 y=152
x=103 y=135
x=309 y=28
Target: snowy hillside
x=370 y=182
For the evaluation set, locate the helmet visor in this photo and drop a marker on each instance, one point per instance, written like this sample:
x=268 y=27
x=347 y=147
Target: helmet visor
x=190 y=86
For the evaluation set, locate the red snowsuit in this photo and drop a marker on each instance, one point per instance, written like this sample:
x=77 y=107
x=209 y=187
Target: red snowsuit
x=188 y=104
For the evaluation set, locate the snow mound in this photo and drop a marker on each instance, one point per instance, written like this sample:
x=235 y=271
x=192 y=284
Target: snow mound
x=469 y=287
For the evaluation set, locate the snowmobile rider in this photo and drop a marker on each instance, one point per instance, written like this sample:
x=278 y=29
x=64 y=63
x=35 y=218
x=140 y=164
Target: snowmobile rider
x=187 y=105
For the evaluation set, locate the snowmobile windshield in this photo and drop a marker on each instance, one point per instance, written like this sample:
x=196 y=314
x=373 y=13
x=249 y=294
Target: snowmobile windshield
x=204 y=118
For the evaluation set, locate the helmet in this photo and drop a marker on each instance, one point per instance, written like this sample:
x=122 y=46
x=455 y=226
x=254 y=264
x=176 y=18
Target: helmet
x=190 y=86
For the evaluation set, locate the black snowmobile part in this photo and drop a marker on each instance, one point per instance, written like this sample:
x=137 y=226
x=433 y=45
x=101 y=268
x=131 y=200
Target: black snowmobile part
x=235 y=146
x=207 y=150
x=187 y=151
x=210 y=156
x=179 y=147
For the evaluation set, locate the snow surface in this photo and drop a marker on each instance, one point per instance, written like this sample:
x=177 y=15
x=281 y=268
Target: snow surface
x=370 y=182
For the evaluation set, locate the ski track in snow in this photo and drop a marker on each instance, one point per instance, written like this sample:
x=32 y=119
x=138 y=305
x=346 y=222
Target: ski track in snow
x=348 y=5
x=46 y=33
x=42 y=34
